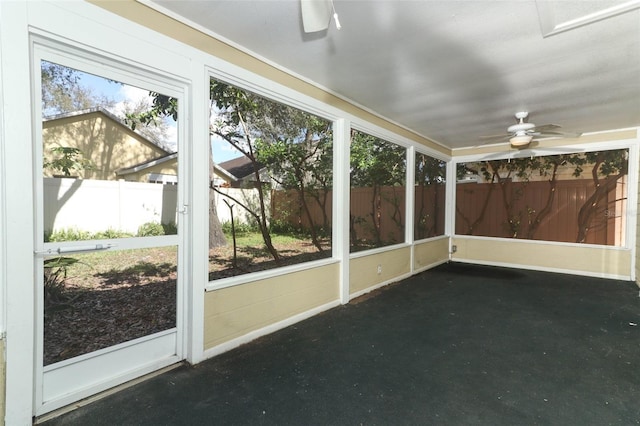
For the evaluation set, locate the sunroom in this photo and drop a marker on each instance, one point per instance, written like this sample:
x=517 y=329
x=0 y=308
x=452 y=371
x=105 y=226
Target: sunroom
x=356 y=178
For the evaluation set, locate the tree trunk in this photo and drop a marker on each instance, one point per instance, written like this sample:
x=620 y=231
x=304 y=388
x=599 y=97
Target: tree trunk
x=216 y=236
x=305 y=206
x=535 y=224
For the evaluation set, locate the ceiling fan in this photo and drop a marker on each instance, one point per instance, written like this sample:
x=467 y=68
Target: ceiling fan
x=316 y=15
x=521 y=134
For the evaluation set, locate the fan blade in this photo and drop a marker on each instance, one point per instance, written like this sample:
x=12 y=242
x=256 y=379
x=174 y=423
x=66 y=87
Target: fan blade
x=501 y=137
x=316 y=15
x=546 y=127
x=556 y=135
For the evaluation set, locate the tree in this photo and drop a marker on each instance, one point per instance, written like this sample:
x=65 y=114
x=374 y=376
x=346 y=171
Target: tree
x=430 y=175
x=63 y=92
x=607 y=168
x=297 y=161
x=167 y=106
x=241 y=120
x=67 y=160
x=376 y=163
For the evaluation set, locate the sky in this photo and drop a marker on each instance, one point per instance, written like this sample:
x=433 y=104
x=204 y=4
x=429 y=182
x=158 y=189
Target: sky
x=122 y=93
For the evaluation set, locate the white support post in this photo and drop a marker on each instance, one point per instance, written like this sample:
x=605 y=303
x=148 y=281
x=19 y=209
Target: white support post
x=450 y=202
x=17 y=128
x=410 y=194
x=341 y=191
x=199 y=216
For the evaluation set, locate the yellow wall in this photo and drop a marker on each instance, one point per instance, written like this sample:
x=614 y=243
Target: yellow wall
x=363 y=271
x=597 y=261
x=235 y=311
x=109 y=145
x=430 y=253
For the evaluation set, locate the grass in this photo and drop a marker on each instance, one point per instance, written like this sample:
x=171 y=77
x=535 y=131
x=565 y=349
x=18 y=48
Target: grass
x=98 y=270
x=94 y=268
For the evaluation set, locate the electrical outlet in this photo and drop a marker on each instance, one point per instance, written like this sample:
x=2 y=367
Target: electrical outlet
x=454 y=249
x=379 y=269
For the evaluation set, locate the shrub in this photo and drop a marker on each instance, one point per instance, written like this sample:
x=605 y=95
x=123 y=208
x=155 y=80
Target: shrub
x=55 y=276
x=283 y=227
x=241 y=228
x=150 y=229
x=111 y=233
x=68 y=234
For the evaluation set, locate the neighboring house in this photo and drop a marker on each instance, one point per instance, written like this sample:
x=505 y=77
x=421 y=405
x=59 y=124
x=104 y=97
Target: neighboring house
x=238 y=173
x=112 y=148
x=159 y=170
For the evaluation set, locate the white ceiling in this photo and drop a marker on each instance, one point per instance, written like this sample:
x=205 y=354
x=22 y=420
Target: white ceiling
x=451 y=70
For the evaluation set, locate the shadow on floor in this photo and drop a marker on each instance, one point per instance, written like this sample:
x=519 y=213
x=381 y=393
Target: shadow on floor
x=456 y=345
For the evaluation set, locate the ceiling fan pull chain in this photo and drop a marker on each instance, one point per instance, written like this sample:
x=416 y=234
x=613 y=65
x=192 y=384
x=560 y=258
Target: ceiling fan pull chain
x=335 y=16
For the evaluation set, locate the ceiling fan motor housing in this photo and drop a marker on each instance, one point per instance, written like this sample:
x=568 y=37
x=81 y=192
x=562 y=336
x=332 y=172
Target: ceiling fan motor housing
x=521 y=127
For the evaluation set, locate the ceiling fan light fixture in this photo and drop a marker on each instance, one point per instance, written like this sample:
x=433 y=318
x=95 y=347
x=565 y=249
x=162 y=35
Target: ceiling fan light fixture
x=521 y=140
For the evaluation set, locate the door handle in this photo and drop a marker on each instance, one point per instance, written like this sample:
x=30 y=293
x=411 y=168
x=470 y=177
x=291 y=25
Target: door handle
x=61 y=250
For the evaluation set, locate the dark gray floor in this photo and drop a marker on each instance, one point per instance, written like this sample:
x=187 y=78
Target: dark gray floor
x=456 y=345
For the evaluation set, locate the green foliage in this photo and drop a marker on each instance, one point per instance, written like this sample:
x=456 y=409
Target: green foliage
x=603 y=168
x=240 y=228
x=376 y=162
x=55 y=276
x=283 y=227
x=68 y=234
x=429 y=170
x=109 y=234
x=67 y=160
x=150 y=229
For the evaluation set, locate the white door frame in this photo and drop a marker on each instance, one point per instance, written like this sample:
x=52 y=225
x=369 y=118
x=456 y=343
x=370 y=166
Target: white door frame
x=133 y=47
x=65 y=382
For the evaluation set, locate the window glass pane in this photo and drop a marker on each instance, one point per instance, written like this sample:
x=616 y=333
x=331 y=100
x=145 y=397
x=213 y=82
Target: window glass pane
x=109 y=165
x=378 y=180
x=270 y=183
x=578 y=198
x=430 y=194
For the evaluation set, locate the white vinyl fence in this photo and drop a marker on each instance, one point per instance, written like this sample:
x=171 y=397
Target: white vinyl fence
x=99 y=205
x=248 y=197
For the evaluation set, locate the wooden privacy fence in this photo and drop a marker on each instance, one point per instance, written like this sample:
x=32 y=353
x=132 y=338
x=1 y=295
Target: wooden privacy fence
x=481 y=209
x=485 y=209
x=375 y=214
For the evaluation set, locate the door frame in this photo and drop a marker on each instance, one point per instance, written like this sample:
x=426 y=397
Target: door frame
x=143 y=355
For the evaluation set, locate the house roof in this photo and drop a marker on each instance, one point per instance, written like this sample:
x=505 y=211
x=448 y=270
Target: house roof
x=239 y=168
x=146 y=165
x=111 y=117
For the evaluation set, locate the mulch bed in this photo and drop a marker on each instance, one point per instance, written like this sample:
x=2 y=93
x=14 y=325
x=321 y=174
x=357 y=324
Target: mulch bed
x=96 y=318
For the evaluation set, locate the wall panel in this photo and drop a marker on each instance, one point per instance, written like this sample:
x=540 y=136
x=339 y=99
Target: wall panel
x=430 y=253
x=394 y=264
x=233 y=312
x=569 y=258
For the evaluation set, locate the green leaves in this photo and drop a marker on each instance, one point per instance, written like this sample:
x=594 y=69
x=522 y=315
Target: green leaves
x=66 y=160
x=375 y=162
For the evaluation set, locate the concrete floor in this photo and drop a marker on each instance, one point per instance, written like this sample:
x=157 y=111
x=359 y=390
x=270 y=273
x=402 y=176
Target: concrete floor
x=456 y=345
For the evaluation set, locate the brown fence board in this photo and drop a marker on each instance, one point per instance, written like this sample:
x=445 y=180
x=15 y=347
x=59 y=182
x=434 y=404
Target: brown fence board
x=527 y=200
